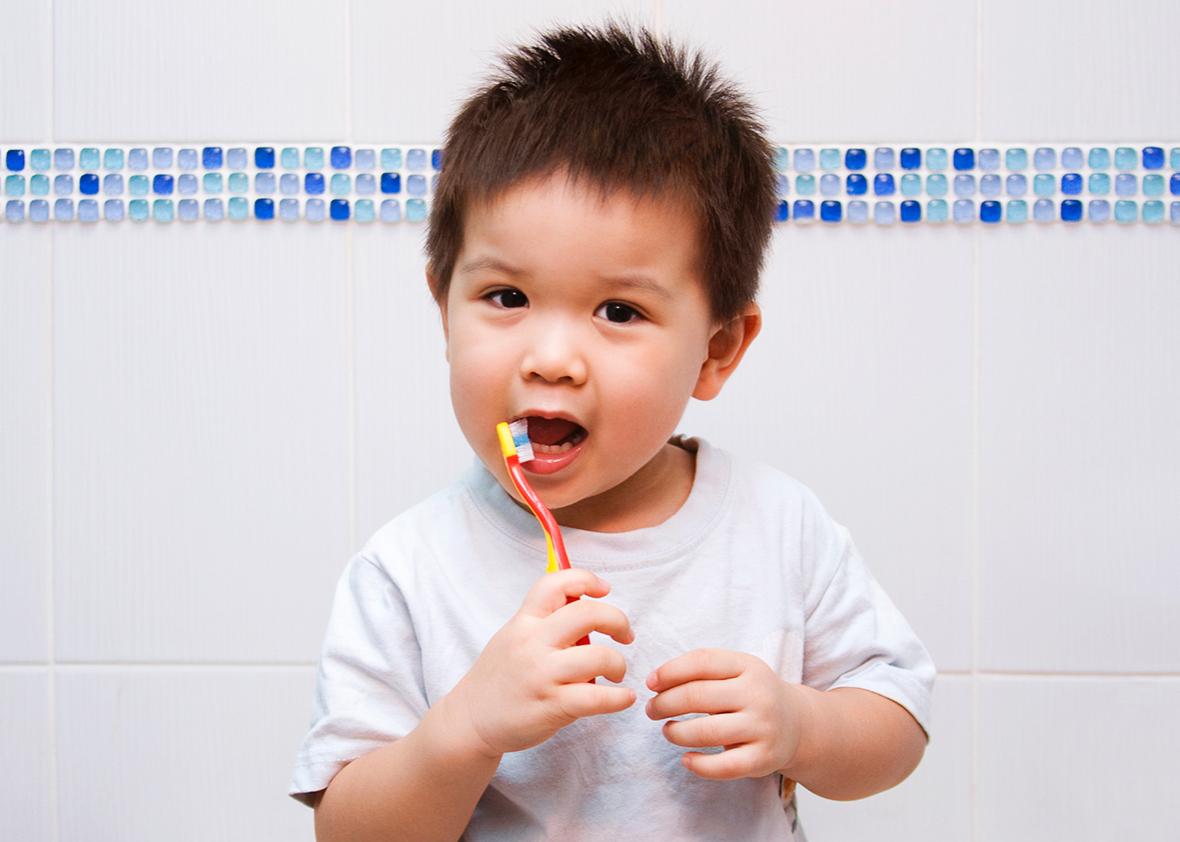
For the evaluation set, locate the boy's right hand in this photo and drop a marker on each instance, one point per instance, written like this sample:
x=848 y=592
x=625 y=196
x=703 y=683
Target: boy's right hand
x=531 y=680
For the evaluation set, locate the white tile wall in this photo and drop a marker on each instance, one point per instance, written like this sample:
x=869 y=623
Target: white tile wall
x=26 y=89
x=26 y=744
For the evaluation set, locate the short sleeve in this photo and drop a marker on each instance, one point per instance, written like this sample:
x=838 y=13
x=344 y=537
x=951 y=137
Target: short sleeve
x=854 y=636
x=369 y=687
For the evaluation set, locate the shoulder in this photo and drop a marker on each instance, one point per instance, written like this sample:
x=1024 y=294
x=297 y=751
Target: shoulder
x=770 y=488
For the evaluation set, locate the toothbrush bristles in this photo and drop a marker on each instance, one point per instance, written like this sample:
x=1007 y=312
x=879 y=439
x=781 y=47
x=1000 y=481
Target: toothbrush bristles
x=520 y=438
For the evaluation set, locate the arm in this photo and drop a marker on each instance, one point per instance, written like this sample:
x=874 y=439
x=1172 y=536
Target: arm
x=854 y=743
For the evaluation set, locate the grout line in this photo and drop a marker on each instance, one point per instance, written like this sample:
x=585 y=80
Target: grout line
x=350 y=304
x=973 y=528
x=51 y=583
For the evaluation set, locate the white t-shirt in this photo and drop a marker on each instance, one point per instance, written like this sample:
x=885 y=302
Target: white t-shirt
x=750 y=562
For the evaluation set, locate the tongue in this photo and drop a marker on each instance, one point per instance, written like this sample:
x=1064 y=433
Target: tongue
x=550 y=430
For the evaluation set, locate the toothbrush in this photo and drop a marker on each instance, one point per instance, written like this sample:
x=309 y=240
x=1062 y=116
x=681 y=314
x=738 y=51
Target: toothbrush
x=516 y=448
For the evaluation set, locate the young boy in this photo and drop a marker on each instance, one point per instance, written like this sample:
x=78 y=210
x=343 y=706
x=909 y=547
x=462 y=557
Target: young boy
x=594 y=249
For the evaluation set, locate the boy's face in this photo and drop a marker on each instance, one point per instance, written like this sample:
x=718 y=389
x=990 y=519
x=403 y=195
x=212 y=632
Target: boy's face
x=565 y=306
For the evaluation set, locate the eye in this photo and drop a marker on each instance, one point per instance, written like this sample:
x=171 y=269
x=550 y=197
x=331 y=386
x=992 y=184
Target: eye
x=619 y=313
x=507 y=298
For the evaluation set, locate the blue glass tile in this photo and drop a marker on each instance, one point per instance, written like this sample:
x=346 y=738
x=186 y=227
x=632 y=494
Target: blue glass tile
x=63 y=158
x=416 y=185
x=314 y=210
x=830 y=211
x=990 y=211
x=391 y=182
x=1045 y=158
x=1125 y=184
x=391 y=210
x=436 y=160
x=1016 y=159
x=829 y=159
x=1153 y=185
x=313 y=158
x=434 y=183
x=1099 y=158
x=366 y=184
x=1044 y=184
x=936 y=159
x=264 y=158
x=416 y=159
x=964 y=210
x=782 y=210
x=63 y=185
x=883 y=158
x=854 y=159
x=883 y=184
x=211 y=159
x=14 y=211
x=313 y=183
x=781 y=158
x=829 y=184
x=288 y=210
x=805 y=185
x=39 y=185
x=1071 y=210
x=289 y=184
x=87 y=210
x=1044 y=210
x=1017 y=210
x=391 y=158
x=112 y=159
x=290 y=158
x=935 y=185
x=138 y=210
x=239 y=209
x=1099 y=210
x=339 y=209
x=964 y=158
x=63 y=209
x=236 y=158
x=1175 y=213
x=113 y=210
x=137 y=159
x=1174 y=184
x=802 y=210
x=187 y=184
x=188 y=210
x=1153 y=159
x=366 y=159
x=911 y=211
x=38 y=210
x=341 y=184
x=911 y=184
x=214 y=210
x=363 y=210
x=162 y=157
x=1071 y=184
x=991 y=185
x=264 y=183
x=415 y=210
x=211 y=183
x=1072 y=158
x=858 y=211
x=88 y=158
x=88 y=184
x=186 y=159
x=112 y=184
x=39 y=161
x=1125 y=211
x=884 y=213
x=238 y=184
x=340 y=157
x=936 y=210
x=964 y=185
x=911 y=158
x=264 y=209
x=782 y=184
x=989 y=160
x=1153 y=211
x=1174 y=158
x=804 y=160
x=1125 y=158
x=162 y=210
x=162 y=184
x=14 y=185
x=138 y=185
x=1099 y=183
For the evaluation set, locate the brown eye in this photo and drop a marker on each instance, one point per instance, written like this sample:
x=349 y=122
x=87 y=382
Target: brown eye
x=508 y=298
x=619 y=313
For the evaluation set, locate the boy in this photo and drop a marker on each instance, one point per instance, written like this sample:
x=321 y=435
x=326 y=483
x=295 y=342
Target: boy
x=594 y=250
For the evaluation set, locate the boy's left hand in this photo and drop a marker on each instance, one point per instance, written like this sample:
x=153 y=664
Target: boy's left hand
x=757 y=716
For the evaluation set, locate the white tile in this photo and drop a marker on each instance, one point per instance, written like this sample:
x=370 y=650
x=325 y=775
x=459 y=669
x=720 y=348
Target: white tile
x=201 y=427
x=181 y=754
x=222 y=70
x=26 y=800
x=860 y=387
x=413 y=63
x=850 y=71
x=26 y=68
x=1078 y=759
x=408 y=443
x=24 y=442
x=1062 y=70
x=932 y=804
x=1079 y=456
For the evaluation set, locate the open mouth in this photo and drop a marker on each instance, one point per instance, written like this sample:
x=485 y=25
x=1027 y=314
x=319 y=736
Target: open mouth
x=554 y=435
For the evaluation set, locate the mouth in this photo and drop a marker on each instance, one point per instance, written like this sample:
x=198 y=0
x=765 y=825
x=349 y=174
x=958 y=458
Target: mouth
x=556 y=439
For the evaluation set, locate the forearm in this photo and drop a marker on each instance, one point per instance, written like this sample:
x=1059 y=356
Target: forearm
x=856 y=743
x=423 y=786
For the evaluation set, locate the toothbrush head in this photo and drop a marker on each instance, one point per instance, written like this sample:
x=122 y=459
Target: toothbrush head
x=514 y=439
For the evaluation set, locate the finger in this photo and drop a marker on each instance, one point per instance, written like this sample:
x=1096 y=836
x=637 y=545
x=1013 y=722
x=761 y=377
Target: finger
x=695 y=697
x=698 y=664
x=576 y=620
x=721 y=730
x=582 y=663
x=581 y=699
x=551 y=591
x=736 y=762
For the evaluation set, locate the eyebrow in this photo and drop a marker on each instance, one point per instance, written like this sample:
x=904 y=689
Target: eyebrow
x=640 y=282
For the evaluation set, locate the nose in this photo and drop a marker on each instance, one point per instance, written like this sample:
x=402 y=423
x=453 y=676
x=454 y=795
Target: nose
x=554 y=354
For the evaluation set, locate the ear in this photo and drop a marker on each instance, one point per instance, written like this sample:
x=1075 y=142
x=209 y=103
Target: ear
x=432 y=285
x=727 y=346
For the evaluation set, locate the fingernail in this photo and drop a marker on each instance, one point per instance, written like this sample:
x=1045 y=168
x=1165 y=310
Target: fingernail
x=651 y=680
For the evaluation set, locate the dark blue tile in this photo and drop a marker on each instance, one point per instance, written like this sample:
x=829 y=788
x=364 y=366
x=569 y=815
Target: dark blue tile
x=1174 y=184
x=990 y=211
x=264 y=157
x=88 y=184
x=162 y=184
x=313 y=183
x=856 y=184
x=804 y=209
x=391 y=182
x=964 y=158
x=14 y=159
x=341 y=157
x=211 y=157
x=1071 y=210
x=264 y=209
x=436 y=159
x=883 y=184
x=339 y=209
x=854 y=159
x=1071 y=184
x=782 y=212
x=911 y=158
x=911 y=211
x=1153 y=158
x=830 y=211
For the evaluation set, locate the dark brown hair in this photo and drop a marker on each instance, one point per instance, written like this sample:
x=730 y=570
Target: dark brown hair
x=616 y=108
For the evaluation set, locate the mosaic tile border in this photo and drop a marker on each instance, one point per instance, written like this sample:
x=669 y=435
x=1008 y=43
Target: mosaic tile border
x=389 y=184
